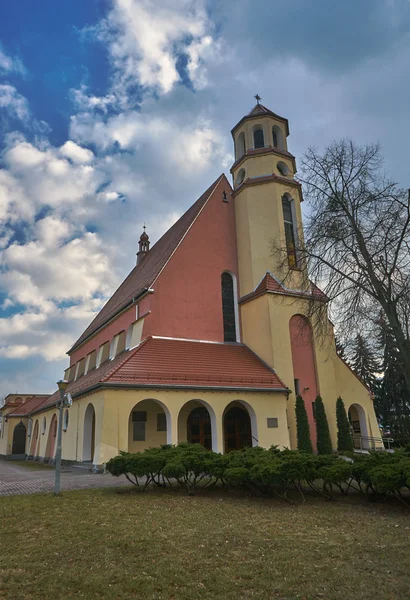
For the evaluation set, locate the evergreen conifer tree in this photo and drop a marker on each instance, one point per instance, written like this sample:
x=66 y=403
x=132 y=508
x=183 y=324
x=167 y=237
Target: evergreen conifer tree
x=364 y=362
x=324 y=444
x=344 y=437
x=392 y=404
x=302 y=427
x=341 y=350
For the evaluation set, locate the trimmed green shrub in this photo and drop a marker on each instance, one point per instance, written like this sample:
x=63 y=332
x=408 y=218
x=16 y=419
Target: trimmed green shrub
x=302 y=427
x=272 y=472
x=344 y=437
x=324 y=444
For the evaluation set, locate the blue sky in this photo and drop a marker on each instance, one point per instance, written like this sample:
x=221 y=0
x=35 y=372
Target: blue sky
x=116 y=112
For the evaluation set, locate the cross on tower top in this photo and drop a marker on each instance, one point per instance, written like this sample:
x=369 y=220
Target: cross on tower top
x=257 y=98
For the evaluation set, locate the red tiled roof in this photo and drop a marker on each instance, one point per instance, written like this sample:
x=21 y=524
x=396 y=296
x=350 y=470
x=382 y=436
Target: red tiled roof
x=270 y=285
x=28 y=406
x=177 y=362
x=189 y=363
x=143 y=275
x=87 y=381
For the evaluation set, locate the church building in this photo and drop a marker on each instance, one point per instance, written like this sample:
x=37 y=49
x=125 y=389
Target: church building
x=208 y=338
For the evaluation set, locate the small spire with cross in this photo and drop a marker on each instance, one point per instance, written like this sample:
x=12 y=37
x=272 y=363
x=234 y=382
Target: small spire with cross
x=257 y=98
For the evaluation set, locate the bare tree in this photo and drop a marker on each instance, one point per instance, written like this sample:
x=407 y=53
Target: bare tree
x=357 y=241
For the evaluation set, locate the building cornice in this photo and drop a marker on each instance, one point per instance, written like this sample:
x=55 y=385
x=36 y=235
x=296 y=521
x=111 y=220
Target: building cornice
x=252 y=153
x=267 y=179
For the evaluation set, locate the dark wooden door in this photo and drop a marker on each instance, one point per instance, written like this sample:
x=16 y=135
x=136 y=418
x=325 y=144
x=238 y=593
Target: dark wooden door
x=237 y=429
x=199 y=428
x=19 y=439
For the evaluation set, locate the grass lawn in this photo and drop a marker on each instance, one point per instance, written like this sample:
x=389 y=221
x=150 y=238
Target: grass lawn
x=120 y=545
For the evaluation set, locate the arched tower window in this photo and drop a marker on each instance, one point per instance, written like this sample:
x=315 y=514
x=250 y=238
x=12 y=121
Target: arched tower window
x=277 y=137
x=258 y=137
x=289 y=230
x=228 y=307
x=241 y=147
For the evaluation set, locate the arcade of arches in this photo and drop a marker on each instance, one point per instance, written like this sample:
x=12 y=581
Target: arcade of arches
x=149 y=425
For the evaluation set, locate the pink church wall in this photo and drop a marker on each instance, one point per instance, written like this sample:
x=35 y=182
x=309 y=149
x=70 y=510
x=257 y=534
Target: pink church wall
x=187 y=301
x=105 y=335
x=304 y=367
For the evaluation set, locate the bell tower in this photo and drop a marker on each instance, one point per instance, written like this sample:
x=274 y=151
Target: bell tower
x=267 y=200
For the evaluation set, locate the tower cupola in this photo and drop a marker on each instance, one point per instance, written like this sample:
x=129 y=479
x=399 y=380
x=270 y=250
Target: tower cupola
x=143 y=246
x=261 y=149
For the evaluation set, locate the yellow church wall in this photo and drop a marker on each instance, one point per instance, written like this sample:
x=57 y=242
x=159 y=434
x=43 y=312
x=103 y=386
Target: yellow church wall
x=260 y=233
x=118 y=405
x=267 y=123
x=6 y=439
x=262 y=164
x=354 y=392
x=334 y=378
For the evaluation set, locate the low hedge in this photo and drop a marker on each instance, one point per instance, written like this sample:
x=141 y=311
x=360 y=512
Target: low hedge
x=271 y=472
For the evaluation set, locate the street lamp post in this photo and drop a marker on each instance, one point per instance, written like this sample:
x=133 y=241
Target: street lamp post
x=62 y=386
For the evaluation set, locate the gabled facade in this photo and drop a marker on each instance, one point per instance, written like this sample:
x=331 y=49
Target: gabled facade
x=207 y=339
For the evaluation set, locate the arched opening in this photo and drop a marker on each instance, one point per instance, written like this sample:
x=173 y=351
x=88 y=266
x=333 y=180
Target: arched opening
x=358 y=424
x=34 y=439
x=197 y=424
x=19 y=439
x=149 y=425
x=289 y=226
x=258 y=137
x=304 y=367
x=89 y=434
x=241 y=146
x=277 y=138
x=237 y=427
x=51 y=441
x=229 y=308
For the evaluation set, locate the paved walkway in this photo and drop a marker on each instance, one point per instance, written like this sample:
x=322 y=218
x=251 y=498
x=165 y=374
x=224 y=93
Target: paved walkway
x=17 y=479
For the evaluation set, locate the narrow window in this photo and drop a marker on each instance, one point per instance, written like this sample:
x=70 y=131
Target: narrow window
x=228 y=308
x=258 y=139
x=65 y=422
x=277 y=137
x=289 y=231
x=139 y=420
x=161 y=422
x=297 y=387
x=314 y=410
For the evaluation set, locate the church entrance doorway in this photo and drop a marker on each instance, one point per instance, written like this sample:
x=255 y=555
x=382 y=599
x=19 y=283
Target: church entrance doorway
x=89 y=434
x=19 y=439
x=199 y=429
x=237 y=429
x=197 y=424
x=358 y=425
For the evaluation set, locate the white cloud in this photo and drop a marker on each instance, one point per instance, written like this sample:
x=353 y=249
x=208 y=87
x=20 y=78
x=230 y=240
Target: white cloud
x=10 y=64
x=76 y=153
x=13 y=103
x=145 y=40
